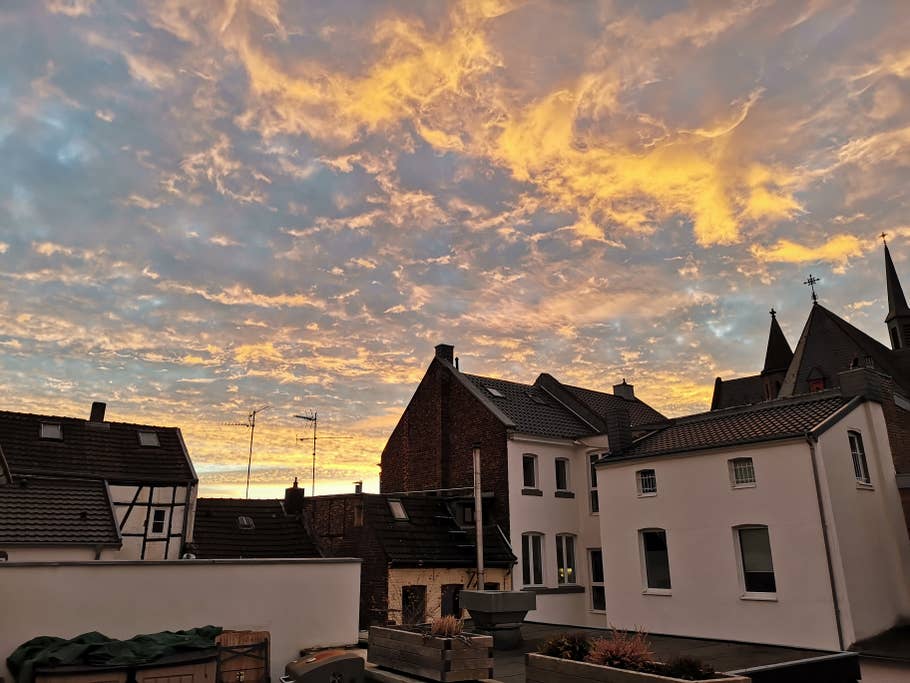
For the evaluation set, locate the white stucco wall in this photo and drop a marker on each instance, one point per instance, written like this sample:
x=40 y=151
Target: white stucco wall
x=52 y=553
x=869 y=534
x=550 y=515
x=698 y=508
x=302 y=603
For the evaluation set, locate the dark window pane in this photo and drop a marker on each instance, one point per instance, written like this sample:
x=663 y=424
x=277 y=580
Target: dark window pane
x=758 y=570
x=560 y=567
x=595 y=502
x=594 y=459
x=657 y=563
x=597 y=566
x=562 y=475
x=530 y=481
x=760 y=582
x=598 y=598
x=526 y=559
x=538 y=565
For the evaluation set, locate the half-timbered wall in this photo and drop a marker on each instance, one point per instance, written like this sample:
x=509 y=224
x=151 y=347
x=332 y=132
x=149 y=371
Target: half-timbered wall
x=135 y=509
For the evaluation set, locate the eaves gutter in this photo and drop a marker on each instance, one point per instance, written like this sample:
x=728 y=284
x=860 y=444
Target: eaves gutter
x=612 y=460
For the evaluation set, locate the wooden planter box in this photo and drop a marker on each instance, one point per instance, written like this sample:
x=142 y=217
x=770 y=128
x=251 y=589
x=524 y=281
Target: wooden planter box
x=544 y=669
x=438 y=659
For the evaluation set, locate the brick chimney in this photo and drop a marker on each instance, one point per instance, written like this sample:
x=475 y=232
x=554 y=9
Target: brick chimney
x=293 y=500
x=446 y=352
x=97 y=414
x=624 y=390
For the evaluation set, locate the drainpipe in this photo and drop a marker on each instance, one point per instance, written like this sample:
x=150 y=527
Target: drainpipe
x=811 y=439
x=478 y=516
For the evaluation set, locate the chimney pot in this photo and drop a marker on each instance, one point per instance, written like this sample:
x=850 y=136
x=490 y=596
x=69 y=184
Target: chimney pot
x=293 y=499
x=624 y=390
x=445 y=352
x=358 y=487
x=97 y=414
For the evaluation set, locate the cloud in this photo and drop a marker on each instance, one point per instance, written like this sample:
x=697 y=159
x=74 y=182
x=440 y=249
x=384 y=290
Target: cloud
x=838 y=250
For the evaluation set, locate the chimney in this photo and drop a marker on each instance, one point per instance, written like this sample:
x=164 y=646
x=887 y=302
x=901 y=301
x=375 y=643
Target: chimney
x=619 y=428
x=445 y=352
x=293 y=500
x=358 y=487
x=626 y=391
x=97 y=414
x=864 y=381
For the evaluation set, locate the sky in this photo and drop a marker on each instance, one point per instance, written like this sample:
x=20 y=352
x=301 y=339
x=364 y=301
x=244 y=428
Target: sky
x=209 y=207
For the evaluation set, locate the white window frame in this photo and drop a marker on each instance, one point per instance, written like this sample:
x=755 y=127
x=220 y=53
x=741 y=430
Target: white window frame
x=566 y=575
x=735 y=470
x=642 y=481
x=647 y=589
x=740 y=566
x=151 y=530
x=536 y=484
x=858 y=455
x=397 y=510
x=568 y=466
x=596 y=584
x=52 y=431
x=593 y=497
x=528 y=555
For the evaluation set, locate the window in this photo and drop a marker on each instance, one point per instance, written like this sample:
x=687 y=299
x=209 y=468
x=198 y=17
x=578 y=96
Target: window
x=595 y=502
x=755 y=556
x=742 y=472
x=358 y=514
x=598 y=593
x=413 y=604
x=647 y=482
x=860 y=467
x=467 y=514
x=656 y=559
x=529 y=470
x=397 y=509
x=562 y=474
x=159 y=516
x=451 y=604
x=531 y=560
x=243 y=522
x=494 y=392
x=50 y=430
x=565 y=558
x=148 y=439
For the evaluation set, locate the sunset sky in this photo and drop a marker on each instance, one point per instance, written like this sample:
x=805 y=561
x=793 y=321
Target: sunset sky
x=206 y=207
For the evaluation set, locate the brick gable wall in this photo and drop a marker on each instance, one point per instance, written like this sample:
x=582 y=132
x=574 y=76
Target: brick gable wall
x=431 y=447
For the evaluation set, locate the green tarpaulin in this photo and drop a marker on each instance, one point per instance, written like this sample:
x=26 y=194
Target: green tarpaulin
x=96 y=649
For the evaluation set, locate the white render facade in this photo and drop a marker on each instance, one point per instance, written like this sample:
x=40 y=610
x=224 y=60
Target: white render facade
x=554 y=515
x=848 y=526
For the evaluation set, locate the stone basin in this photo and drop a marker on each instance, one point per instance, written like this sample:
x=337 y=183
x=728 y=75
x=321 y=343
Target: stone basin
x=499 y=614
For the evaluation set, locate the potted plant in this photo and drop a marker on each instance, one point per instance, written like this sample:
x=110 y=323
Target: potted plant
x=619 y=658
x=440 y=651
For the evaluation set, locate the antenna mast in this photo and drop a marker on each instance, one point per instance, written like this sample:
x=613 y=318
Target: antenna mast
x=251 y=425
x=314 y=418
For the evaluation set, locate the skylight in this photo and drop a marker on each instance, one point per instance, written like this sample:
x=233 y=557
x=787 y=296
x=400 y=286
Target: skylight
x=51 y=430
x=397 y=509
x=244 y=522
x=495 y=392
x=148 y=439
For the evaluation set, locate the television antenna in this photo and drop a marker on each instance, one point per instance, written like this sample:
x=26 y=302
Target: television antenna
x=314 y=418
x=251 y=425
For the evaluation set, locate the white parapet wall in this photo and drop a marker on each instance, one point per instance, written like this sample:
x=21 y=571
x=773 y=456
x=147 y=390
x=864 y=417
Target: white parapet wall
x=302 y=603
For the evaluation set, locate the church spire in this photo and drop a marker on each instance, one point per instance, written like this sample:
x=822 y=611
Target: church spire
x=898 y=318
x=777 y=360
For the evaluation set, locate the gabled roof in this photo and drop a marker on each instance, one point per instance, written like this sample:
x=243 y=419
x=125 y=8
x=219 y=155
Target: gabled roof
x=829 y=345
x=603 y=403
x=531 y=410
x=37 y=511
x=769 y=421
x=218 y=533
x=430 y=537
x=108 y=450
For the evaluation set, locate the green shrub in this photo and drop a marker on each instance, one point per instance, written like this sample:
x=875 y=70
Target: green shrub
x=574 y=646
x=622 y=650
x=689 y=668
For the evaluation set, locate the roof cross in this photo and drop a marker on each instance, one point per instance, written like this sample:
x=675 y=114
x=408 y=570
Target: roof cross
x=811 y=280
x=773 y=313
x=883 y=236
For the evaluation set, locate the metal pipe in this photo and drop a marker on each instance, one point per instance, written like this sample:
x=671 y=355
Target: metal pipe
x=478 y=517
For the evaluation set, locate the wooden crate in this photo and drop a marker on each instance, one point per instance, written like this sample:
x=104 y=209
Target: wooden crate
x=205 y=671
x=438 y=659
x=244 y=656
x=545 y=669
x=73 y=674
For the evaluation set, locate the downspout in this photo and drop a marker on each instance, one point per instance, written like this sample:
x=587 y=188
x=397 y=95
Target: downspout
x=811 y=439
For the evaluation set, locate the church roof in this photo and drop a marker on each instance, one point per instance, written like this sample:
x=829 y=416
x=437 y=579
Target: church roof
x=829 y=345
x=778 y=354
x=741 y=391
x=897 y=303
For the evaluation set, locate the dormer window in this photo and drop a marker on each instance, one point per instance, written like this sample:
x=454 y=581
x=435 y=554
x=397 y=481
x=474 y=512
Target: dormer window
x=51 y=430
x=397 y=509
x=246 y=523
x=149 y=439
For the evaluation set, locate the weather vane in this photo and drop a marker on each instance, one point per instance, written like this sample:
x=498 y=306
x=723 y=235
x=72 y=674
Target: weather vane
x=811 y=282
x=883 y=236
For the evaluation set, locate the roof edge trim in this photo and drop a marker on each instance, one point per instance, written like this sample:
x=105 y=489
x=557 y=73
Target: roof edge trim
x=477 y=393
x=835 y=417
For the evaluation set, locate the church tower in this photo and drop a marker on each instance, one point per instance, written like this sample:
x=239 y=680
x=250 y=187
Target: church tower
x=777 y=359
x=898 y=319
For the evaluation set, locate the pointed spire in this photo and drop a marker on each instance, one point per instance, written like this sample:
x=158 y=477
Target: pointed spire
x=778 y=354
x=897 y=303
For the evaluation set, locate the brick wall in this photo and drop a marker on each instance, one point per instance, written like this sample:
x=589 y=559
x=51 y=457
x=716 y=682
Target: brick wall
x=898 y=421
x=430 y=448
x=332 y=519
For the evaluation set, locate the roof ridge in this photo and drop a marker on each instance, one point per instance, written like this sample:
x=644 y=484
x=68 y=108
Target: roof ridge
x=796 y=399
x=17 y=413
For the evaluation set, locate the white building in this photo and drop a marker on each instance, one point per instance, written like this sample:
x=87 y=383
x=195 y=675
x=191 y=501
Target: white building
x=73 y=489
x=776 y=523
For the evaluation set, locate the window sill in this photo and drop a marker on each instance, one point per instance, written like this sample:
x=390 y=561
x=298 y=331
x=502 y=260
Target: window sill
x=759 y=597
x=531 y=492
x=564 y=494
x=657 y=591
x=863 y=486
x=647 y=495
x=544 y=590
x=597 y=611
x=744 y=486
